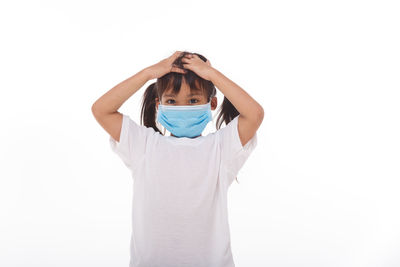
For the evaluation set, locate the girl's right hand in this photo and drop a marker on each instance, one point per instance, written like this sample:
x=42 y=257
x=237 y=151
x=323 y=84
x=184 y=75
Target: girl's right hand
x=165 y=66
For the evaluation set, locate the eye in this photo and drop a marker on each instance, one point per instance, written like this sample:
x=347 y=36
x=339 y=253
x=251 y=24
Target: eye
x=169 y=100
x=194 y=99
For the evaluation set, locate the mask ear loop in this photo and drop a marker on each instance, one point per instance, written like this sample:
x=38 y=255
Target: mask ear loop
x=158 y=124
x=213 y=116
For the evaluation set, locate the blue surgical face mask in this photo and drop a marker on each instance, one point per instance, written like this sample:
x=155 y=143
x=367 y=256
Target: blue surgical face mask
x=184 y=121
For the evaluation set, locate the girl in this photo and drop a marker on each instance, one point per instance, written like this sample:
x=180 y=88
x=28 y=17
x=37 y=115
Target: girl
x=179 y=213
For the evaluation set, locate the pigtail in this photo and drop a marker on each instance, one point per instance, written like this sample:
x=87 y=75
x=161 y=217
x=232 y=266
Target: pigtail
x=227 y=112
x=148 y=111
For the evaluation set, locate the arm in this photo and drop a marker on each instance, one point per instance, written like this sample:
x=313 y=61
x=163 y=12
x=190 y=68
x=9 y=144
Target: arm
x=105 y=109
x=251 y=112
x=112 y=100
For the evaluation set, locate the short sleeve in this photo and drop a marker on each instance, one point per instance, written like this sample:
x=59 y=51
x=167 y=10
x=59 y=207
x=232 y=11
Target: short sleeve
x=132 y=143
x=233 y=154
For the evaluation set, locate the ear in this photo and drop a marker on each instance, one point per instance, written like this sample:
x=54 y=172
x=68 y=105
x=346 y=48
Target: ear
x=214 y=103
x=157 y=102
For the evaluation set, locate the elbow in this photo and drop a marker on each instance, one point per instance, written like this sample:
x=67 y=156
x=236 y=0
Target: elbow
x=260 y=114
x=95 y=109
x=256 y=115
x=98 y=111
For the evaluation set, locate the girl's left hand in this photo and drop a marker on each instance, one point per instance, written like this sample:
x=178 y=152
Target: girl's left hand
x=194 y=63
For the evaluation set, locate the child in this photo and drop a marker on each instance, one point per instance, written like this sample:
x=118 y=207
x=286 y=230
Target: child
x=179 y=213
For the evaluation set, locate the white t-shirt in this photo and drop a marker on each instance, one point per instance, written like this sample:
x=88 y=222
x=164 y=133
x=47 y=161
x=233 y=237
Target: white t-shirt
x=179 y=208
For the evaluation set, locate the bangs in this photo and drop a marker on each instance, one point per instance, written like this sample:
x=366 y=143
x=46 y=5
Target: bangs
x=196 y=86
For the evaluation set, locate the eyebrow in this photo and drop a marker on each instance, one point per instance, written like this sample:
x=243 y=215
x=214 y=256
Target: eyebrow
x=187 y=95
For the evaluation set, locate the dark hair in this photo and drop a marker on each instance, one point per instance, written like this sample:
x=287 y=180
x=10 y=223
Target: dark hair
x=226 y=113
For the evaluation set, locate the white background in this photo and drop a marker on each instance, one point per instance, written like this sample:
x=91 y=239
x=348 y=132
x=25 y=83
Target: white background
x=321 y=188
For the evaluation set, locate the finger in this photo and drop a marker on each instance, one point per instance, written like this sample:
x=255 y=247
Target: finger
x=175 y=67
x=179 y=70
x=177 y=54
x=187 y=66
x=185 y=59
